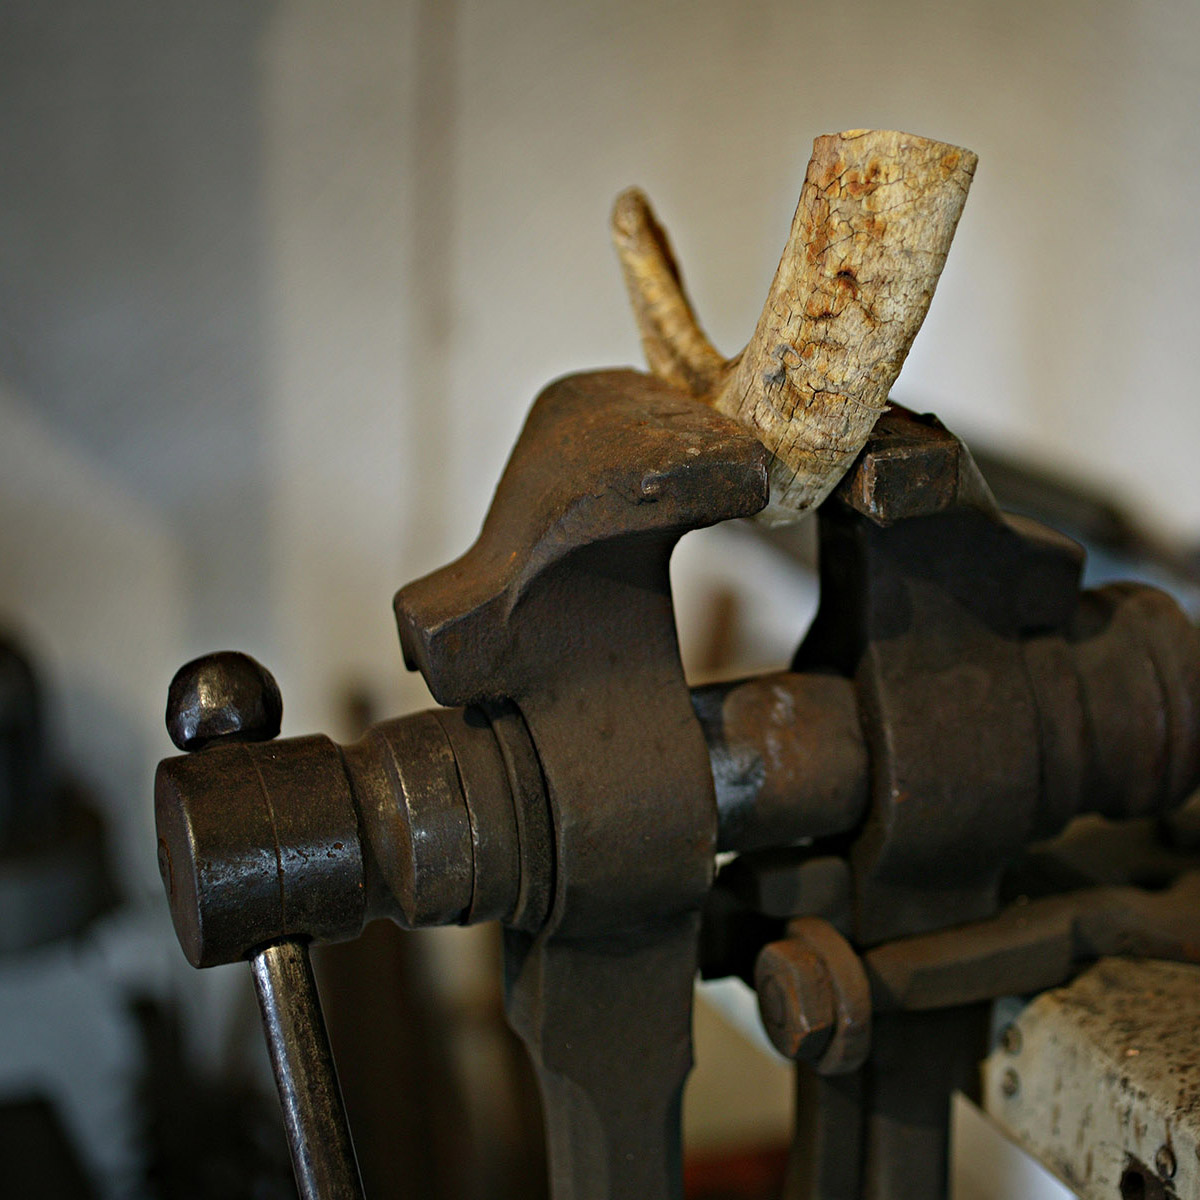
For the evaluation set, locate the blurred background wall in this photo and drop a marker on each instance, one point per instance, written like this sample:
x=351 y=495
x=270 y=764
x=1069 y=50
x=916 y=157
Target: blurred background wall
x=280 y=278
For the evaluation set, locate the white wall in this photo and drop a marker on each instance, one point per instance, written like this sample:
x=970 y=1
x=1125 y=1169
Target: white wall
x=278 y=282
x=288 y=275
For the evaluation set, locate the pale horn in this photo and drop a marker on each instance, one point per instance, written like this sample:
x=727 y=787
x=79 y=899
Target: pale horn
x=875 y=220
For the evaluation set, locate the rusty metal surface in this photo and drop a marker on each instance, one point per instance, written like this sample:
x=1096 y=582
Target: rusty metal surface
x=847 y=1049
x=997 y=701
x=956 y=699
x=413 y=816
x=608 y=457
x=1036 y=945
x=814 y=998
x=913 y=467
x=313 y=1115
x=795 y=999
x=926 y=613
x=788 y=758
x=1100 y=1080
x=917 y=1061
x=1094 y=851
x=882 y=1132
x=258 y=842
x=535 y=833
x=227 y=697
x=791 y=883
x=416 y=821
x=215 y=704
x=609 y=471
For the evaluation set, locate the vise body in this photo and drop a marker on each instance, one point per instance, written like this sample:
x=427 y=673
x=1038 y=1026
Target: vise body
x=957 y=700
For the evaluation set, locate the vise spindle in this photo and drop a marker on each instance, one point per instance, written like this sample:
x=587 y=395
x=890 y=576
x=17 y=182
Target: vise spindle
x=957 y=698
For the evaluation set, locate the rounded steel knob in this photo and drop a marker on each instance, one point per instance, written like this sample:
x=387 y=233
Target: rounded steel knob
x=223 y=697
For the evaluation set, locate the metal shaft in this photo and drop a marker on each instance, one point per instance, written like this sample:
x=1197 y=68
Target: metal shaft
x=317 y=1131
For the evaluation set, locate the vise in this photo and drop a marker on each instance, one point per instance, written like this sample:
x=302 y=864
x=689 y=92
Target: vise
x=957 y=700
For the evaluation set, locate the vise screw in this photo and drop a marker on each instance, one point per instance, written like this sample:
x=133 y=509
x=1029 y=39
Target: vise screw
x=956 y=698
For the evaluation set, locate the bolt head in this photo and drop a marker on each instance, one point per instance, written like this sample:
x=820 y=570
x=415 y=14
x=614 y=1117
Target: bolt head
x=795 y=1000
x=223 y=697
x=1164 y=1162
x=1011 y=1040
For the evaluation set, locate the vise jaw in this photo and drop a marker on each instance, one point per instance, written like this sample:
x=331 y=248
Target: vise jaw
x=571 y=797
x=563 y=607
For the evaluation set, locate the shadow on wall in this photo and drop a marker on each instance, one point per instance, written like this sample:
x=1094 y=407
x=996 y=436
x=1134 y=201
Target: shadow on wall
x=130 y=273
x=132 y=459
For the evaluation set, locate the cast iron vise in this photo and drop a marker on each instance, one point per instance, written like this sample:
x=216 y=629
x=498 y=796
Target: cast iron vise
x=957 y=698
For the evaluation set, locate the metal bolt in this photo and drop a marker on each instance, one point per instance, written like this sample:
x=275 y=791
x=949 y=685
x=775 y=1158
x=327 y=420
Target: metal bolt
x=1010 y=1085
x=1010 y=1039
x=1164 y=1162
x=795 y=1000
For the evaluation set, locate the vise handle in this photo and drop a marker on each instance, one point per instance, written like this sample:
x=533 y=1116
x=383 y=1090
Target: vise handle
x=229 y=698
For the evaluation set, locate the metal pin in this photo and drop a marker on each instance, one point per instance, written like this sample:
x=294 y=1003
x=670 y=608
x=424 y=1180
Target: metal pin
x=317 y=1131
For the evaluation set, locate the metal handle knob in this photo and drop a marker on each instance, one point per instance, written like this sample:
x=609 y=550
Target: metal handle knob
x=229 y=697
x=223 y=697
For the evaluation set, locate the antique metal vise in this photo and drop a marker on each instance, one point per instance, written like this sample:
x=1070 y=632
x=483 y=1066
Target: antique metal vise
x=956 y=699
